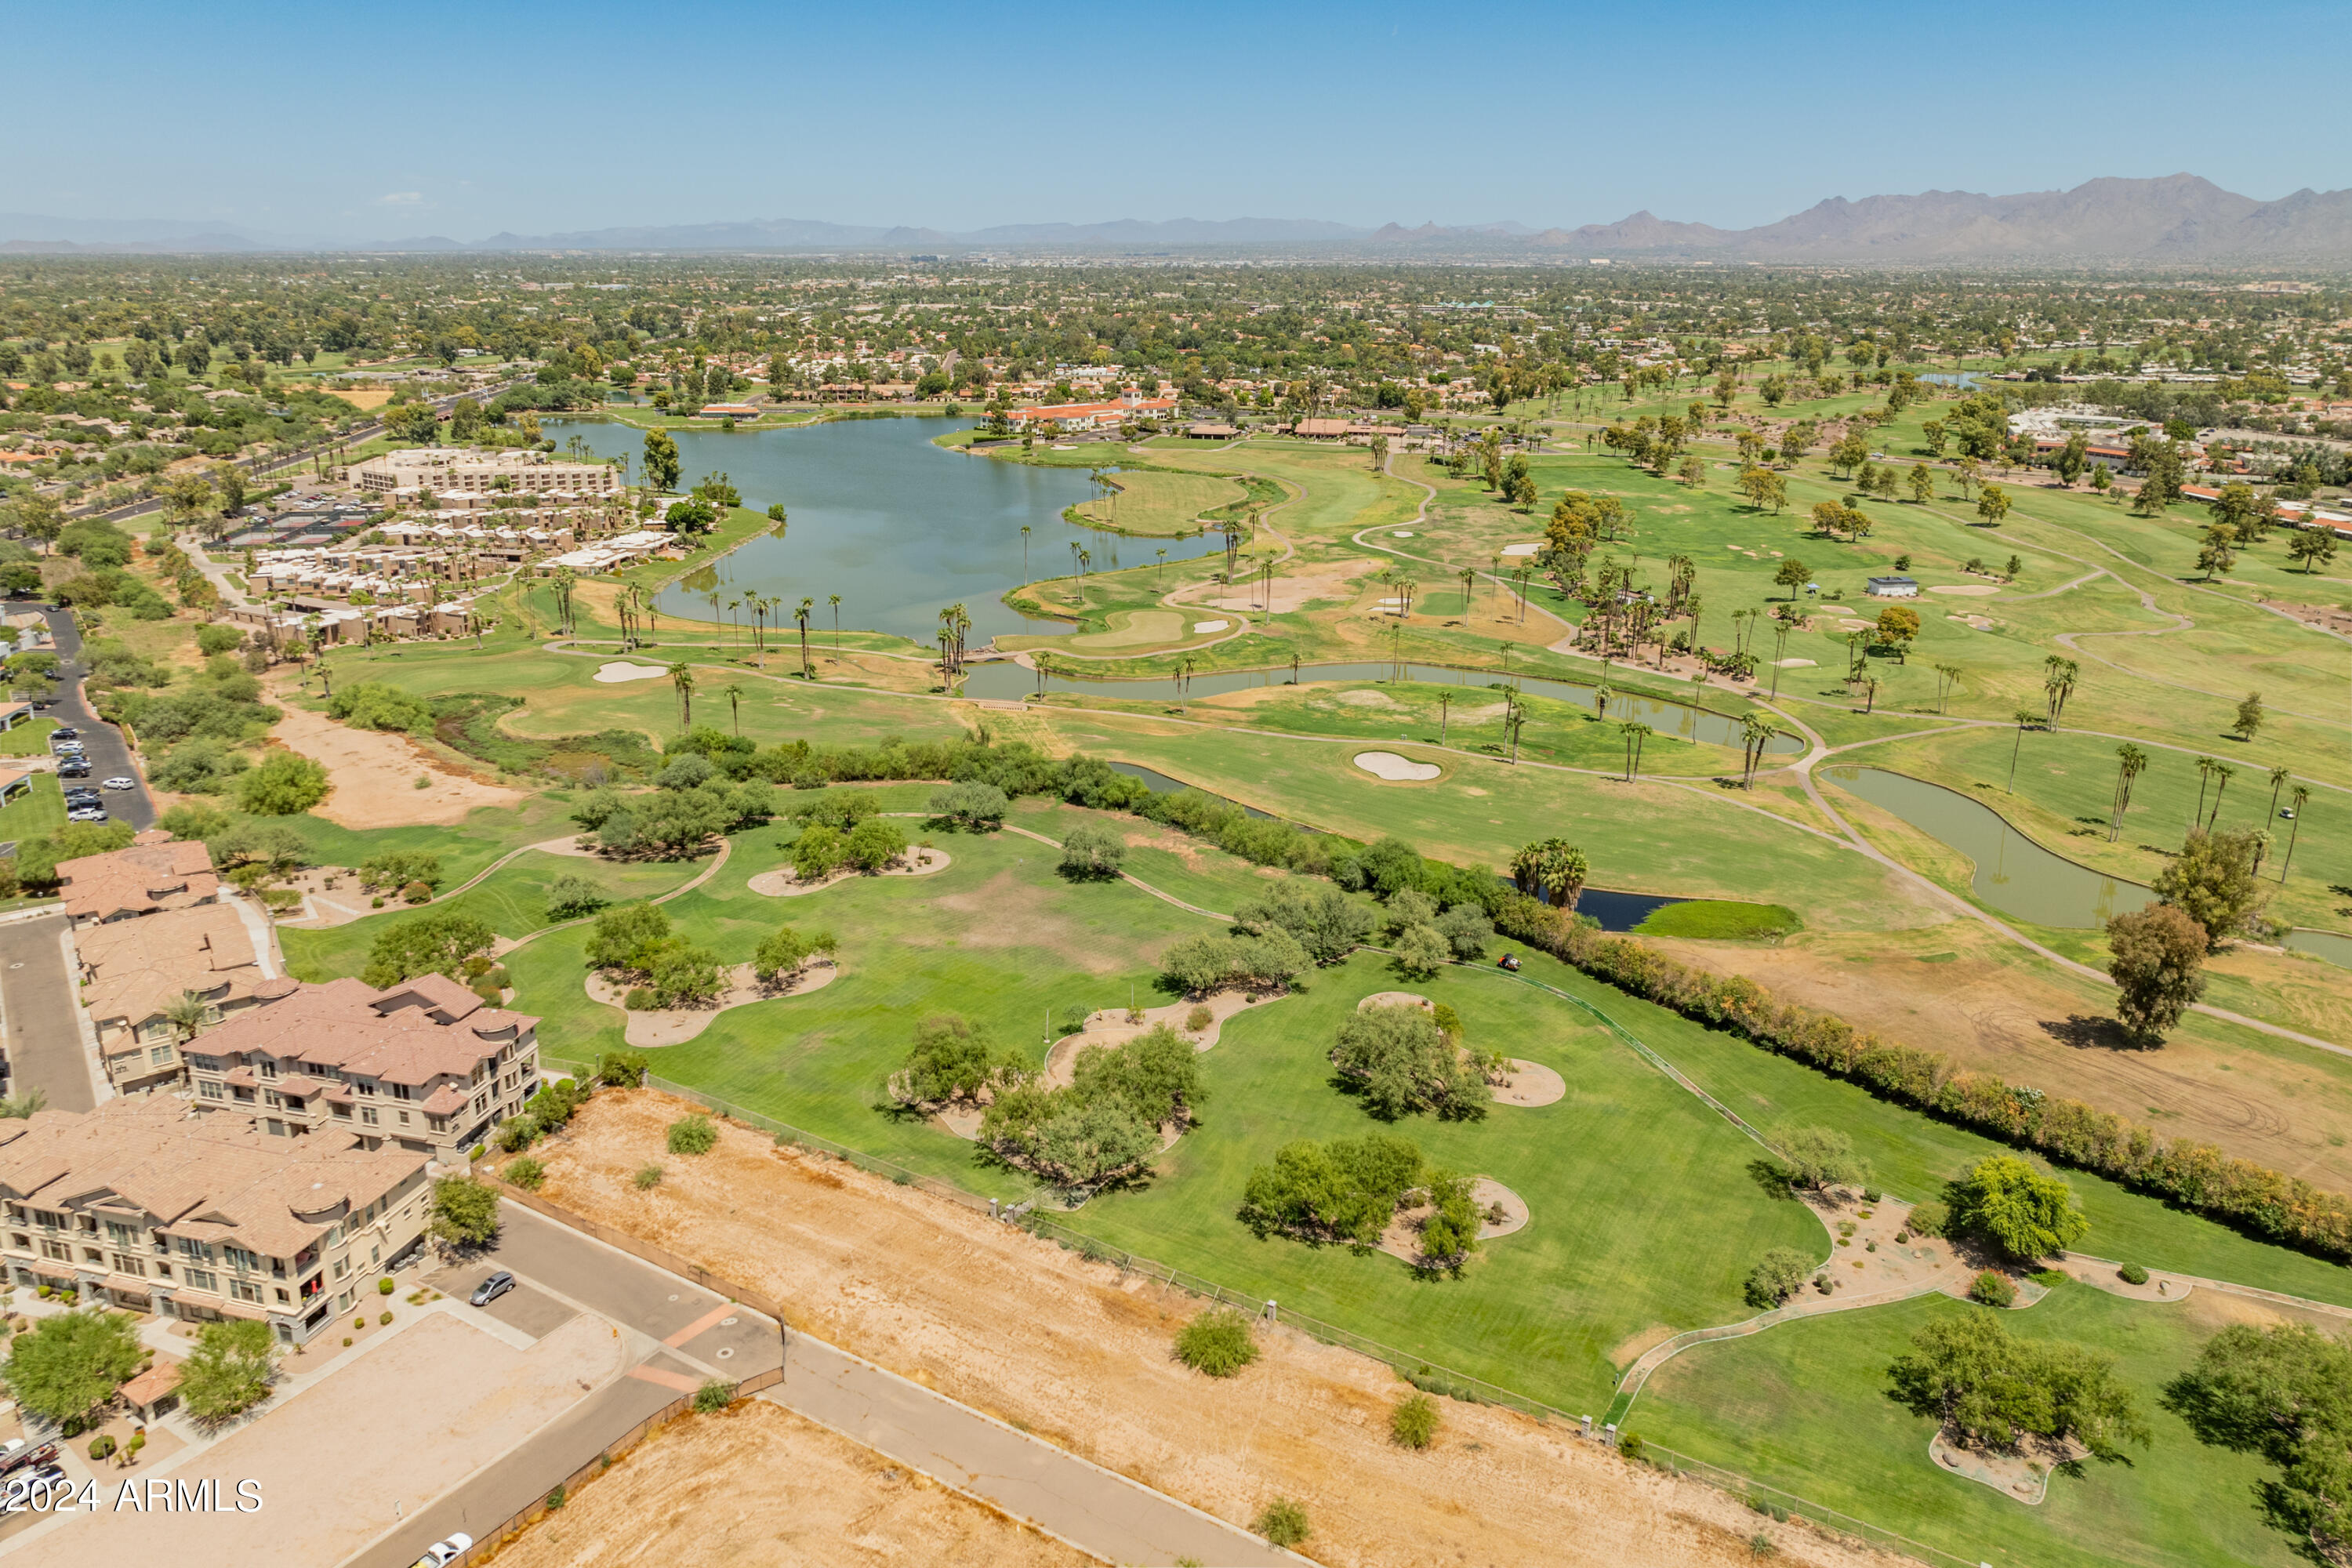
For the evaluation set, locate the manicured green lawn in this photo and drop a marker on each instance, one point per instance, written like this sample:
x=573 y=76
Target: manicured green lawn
x=1803 y=1406
x=30 y=739
x=1720 y=921
x=39 y=811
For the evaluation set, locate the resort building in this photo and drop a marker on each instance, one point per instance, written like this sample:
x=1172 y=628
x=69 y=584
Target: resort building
x=424 y=1066
x=153 y=874
x=413 y=471
x=1893 y=587
x=151 y=1206
x=135 y=974
x=1130 y=404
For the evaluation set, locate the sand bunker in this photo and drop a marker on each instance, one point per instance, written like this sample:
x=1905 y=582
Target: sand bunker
x=1200 y=627
x=1400 y=534
x=1968 y=590
x=1793 y=663
x=621 y=669
x=676 y=1026
x=784 y=882
x=1532 y=547
x=1389 y=765
x=1832 y=610
x=1365 y=699
x=1531 y=1084
x=1852 y=624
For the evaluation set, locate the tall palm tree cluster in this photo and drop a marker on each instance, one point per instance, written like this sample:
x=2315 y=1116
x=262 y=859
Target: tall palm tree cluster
x=955 y=624
x=1553 y=868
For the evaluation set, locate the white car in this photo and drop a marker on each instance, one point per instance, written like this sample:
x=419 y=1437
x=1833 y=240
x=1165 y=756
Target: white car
x=441 y=1554
x=87 y=814
x=120 y=782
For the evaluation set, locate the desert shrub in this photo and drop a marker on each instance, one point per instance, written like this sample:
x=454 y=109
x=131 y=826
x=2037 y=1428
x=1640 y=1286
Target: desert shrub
x=527 y=1174
x=974 y=806
x=715 y=1396
x=371 y=706
x=1928 y=1218
x=399 y=867
x=385 y=1287
x=518 y=1134
x=693 y=1135
x=213 y=639
x=1414 y=1423
x=649 y=1177
x=2133 y=1274
x=1217 y=1342
x=640 y=999
x=623 y=1070
x=1993 y=1288
x=416 y=893
x=286 y=784
x=1198 y=1019
x=1283 y=1522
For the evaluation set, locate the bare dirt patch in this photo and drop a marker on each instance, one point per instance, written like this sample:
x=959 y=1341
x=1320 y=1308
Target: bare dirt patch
x=362 y=397
x=784 y=882
x=1292 y=591
x=927 y=1288
x=675 y=1025
x=821 y=1500
x=1531 y=1084
x=374 y=776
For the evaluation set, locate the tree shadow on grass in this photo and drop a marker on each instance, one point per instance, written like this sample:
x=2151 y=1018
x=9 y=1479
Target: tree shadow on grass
x=1771 y=1180
x=2091 y=1032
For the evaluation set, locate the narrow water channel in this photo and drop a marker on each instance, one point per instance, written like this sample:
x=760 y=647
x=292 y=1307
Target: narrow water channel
x=2013 y=874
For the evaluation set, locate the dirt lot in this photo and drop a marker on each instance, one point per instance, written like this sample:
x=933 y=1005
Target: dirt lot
x=1079 y=1356
x=821 y=1500
x=376 y=775
x=1954 y=988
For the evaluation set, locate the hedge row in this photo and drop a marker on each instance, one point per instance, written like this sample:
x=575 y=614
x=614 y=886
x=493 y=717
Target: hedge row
x=2261 y=1201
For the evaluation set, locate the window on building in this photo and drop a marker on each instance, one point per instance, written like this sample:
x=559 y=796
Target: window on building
x=209 y=1090
x=200 y=1278
x=126 y=1264
x=57 y=1250
x=367 y=1115
x=158 y=1055
x=245 y=1290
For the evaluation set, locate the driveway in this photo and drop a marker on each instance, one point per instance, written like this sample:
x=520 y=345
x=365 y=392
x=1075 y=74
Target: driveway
x=674 y=1336
x=101 y=742
x=39 y=1020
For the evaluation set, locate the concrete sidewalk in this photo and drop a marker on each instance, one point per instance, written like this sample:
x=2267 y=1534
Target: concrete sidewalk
x=1097 y=1509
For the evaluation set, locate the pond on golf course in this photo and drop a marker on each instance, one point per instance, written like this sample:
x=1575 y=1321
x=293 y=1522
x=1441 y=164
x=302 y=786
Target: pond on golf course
x=1006 y=680
x=2013 y=874
x=898 y=527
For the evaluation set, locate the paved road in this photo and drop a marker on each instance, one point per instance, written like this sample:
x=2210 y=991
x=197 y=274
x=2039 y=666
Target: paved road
x=562 y=1273
x=110 y=757
x=37 y=1017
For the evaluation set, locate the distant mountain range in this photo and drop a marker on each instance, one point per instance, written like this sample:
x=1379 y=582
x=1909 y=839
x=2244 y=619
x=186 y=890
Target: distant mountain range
x=2181 y=218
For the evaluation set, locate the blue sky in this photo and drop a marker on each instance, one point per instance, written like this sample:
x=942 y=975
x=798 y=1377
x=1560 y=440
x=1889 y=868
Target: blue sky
x=464 y=119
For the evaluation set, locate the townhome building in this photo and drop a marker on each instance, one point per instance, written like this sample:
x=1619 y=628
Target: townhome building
x=150 y=1206
x=151 y=985
x=425 y=1066
x=415 y=469
x=153 y=873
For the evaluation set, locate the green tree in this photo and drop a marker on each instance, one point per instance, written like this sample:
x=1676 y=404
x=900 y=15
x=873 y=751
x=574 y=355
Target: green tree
x=465 y=1212
x=1323 y=919
x=2283 y=1391
x=1792 y=575
x=1992 y=504
x=661 y=465
x=975 y=806
x=2249 y=717
x=1820 y=1157
x=1967 y=1371
x=816 y=852
x=951 y=1059
x=2017 y=1208
x=2211 y=882
x=874 y=843
x=287 y=784
x=64 y=1364
x=2313 y=546
x=438 y=943
x=1403 y=1062
x=2157 y=956
x=1217 y=1341
x=229 y=1373
x=626 y=936
x=1344 y=1191
x=1092 y=850
x=783 y=953
x=1777 y=1277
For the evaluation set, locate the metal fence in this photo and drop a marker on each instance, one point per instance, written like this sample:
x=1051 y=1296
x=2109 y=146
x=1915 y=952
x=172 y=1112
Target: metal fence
x=1418 y=1370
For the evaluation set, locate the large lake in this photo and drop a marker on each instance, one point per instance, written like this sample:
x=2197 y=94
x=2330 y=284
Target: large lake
x=898 y=527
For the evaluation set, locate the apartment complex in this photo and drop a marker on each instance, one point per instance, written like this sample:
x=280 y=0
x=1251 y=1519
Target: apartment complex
x=425 y=1067
x=154 y=1206
x=153 y=874
x=147 y=984
x=413 y=471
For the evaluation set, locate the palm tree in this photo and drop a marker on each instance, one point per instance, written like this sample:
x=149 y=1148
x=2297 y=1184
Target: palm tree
x=188 y=1013
x=21 y=1106
x=1636 y=732
x=681 y=677
x=2205 y=766
x=1756 y=732
x=834 y=599
x=1554 y=868
x=1947 y=676
x=1469 y=575
x=801 y=615
x=2223 y=772
x=2279 y=776
x=1161 y=575
x=1445 y=711
x=2302 y=794
x=1513 y=716
x=2130 y=763
x=734 y=695
x=1024 y=554
x=2025 y=719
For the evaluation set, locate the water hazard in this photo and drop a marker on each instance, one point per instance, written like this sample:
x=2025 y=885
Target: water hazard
x=898 y=527
x=2013 y=874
